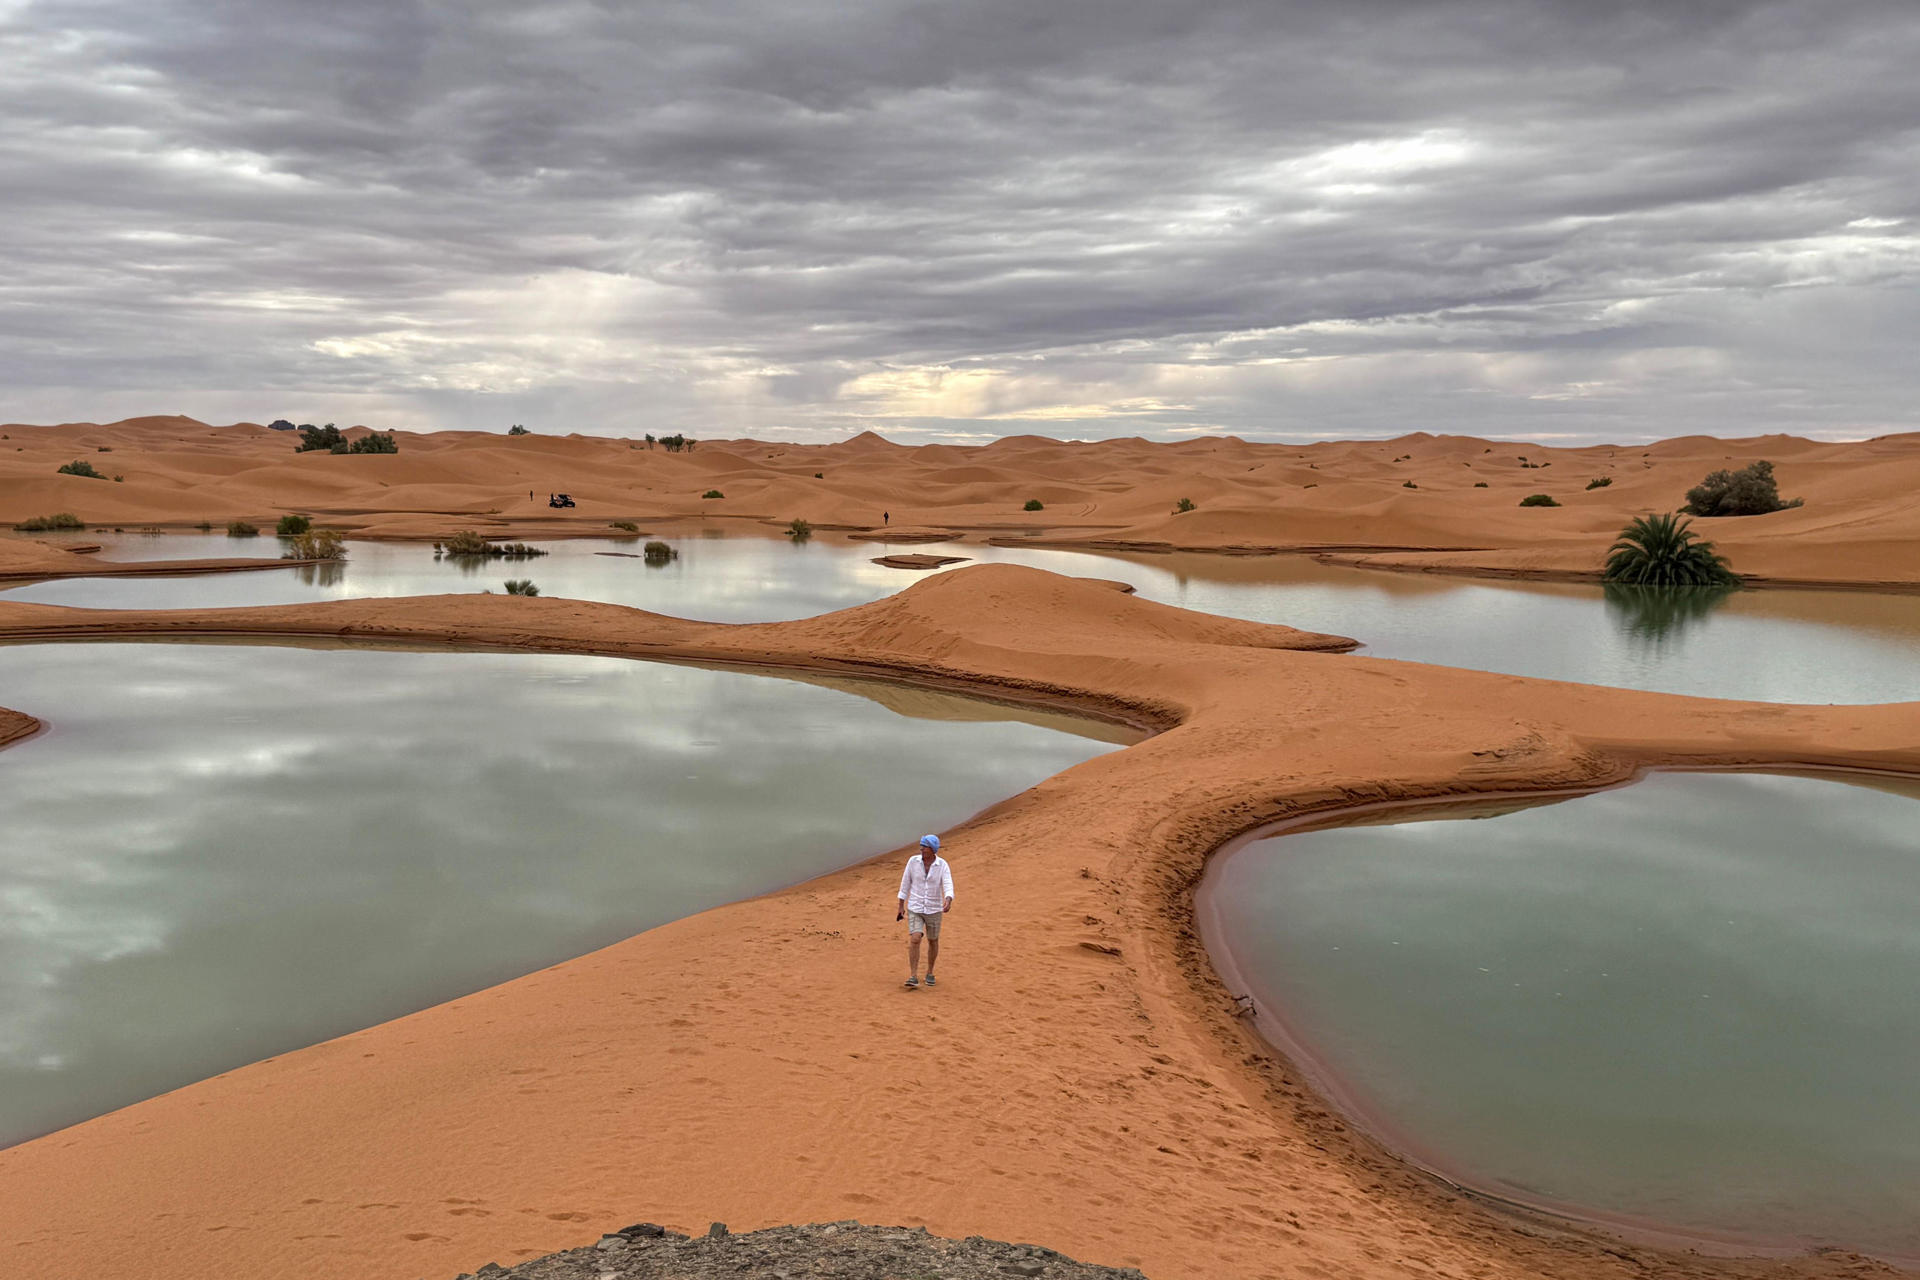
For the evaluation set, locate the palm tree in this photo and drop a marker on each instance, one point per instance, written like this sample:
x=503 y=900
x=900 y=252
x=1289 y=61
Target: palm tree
x=1663 y=551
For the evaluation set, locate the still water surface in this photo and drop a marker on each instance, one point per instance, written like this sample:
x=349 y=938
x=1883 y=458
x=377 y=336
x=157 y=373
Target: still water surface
x=1691 y=1000
x=218 y=854
x=1779 y=646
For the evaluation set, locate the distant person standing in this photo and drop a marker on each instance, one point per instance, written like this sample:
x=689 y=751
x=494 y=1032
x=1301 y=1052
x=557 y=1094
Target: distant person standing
x=886 y=518
x=926 y=896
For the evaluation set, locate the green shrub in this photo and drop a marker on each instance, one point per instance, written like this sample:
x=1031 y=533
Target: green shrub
x=292 y=526
x=315 y=439
x=674 y=443
x=1034 y=504
x=1182 y=506
x=1662 y=551
x=625 y=526
x=1538 y=500
x=241 y=529
x=468 y=543
x=1750 y=491
x=1599 y=482
x=316 y=544
x=374 y=443
x=105 y=448
x=119 y=479
x=79 y=469
x=1408 y=484
x=657 y=552
x=713 y=493
x=517 y=430
x=1479 y=484
x=799 y=530
x=42 y=524
x=521 y=587
x=465 y=543
x=819 y=475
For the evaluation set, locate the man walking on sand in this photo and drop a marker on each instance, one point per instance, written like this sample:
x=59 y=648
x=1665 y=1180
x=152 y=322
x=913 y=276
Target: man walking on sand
x=926 y=896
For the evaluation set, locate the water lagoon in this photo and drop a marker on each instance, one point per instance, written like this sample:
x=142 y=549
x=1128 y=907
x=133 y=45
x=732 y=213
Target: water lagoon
x=1688 y=1002
x=217 y=854
x=1779 y=646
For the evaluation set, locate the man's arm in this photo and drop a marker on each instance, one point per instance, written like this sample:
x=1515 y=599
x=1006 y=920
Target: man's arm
x=948 y=904
x=906 y=878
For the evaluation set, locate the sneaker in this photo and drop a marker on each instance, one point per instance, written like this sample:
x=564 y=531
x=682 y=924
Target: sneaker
x=912 y=982
x=929 y=979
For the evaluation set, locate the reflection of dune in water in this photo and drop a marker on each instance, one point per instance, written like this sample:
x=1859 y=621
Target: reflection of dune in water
x=904 y=700
x=926 y=704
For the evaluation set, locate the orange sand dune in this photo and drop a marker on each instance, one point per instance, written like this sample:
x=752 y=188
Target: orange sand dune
x=1413 y=503
x=755 y=1063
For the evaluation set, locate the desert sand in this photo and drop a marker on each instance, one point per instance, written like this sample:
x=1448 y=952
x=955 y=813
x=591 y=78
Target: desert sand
x=754 y=1063
x=1409 y=503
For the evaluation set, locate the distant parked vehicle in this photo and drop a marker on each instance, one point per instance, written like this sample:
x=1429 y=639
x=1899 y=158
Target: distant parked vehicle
x=560 y=500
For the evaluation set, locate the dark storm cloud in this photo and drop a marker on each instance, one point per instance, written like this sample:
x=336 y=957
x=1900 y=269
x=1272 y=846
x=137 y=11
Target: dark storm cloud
x=1358 y=217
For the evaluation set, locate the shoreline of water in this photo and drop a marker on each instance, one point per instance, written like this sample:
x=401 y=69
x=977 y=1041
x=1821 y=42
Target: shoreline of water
x=1269 y=1020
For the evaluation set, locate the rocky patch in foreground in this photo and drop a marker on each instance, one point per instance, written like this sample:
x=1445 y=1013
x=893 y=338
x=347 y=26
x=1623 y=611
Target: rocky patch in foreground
x=836 y=1250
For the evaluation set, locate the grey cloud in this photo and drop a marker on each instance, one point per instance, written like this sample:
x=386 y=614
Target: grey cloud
x=809 y=217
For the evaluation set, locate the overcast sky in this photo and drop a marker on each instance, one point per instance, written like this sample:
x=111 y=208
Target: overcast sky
x=1580 y=220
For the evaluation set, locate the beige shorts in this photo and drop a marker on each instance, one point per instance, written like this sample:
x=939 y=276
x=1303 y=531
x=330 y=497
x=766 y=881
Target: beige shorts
x=929 y=925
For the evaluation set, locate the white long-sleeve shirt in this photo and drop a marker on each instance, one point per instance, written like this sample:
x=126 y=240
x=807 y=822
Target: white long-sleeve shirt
x=926 y=889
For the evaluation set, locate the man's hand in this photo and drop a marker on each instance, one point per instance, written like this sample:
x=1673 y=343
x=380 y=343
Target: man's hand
x=901 y=914
x=948 y=907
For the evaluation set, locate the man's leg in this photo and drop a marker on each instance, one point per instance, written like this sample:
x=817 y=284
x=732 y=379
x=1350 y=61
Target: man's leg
x=933 y=952
x=913 y=954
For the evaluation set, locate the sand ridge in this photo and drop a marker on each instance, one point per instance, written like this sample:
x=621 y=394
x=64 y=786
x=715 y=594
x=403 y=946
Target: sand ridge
x=754 y=1063
x=1418 y=502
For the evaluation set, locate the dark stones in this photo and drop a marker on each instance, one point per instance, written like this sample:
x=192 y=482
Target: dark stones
x=829 y=1251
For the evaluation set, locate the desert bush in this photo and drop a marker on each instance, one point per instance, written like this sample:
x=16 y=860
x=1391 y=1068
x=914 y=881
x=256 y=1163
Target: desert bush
x=799 y=530
x=205 y=526
x=292 y=526
x=376 y=442
x=1034 y=504
x=468 y=543
x=713 y=493
x=819 y=475
x=1408 y=484
x=521 y=587
x=675 y=443
x=1184 y=505
x=279 y=424
x=1479 y=484
x=1750 y=491
x=105 y=448
x=315 y=439
x=241 y=529
x=43 y=524
x=1538 y=500
x=1599 y=482
x=625 y=526
x=79 y=469
x=316 y=544
x=517 y=430
x=119 y=479
x=657 y=552
x=1663 y=551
